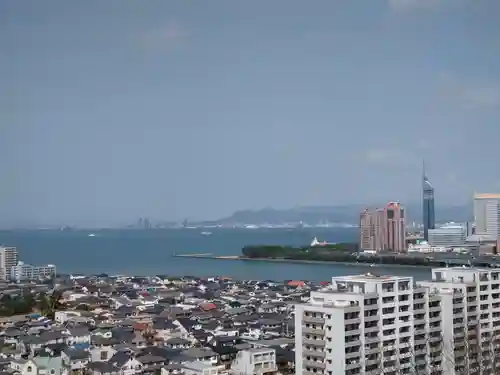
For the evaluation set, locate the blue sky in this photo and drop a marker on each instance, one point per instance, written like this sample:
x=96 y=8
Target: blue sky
x=116 y=109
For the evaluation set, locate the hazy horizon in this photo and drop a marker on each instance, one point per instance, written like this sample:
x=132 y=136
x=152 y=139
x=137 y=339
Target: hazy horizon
x=119 y=109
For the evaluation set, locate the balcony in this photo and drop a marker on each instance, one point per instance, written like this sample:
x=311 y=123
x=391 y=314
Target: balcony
x=372 y=350
x=310 y=319
x=313 y=331
x=353 y=332
x=266 y=370
x=352 y=365
x=370 y=318
x=369 y=362
x=434 y=309
x=353 y=321
x=374 y=328
x=317 y=343
x=421 y=341
x=314 y=364
x=353 y=354
x=435 y=328
x=314 y=353
x=372 y=339
x=434 y=318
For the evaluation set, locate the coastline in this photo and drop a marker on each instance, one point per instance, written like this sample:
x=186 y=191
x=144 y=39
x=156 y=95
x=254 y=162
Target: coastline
x=297 y=261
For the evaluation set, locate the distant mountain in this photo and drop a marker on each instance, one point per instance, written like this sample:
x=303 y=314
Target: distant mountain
x=336 y=214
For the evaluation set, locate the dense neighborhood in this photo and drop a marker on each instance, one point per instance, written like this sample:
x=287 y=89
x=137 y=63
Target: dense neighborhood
x=154 y=325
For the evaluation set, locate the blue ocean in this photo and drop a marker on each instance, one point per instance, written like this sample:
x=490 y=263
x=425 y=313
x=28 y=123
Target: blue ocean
x=150 y=252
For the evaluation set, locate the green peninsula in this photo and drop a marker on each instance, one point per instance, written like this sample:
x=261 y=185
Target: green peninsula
x=349 y=253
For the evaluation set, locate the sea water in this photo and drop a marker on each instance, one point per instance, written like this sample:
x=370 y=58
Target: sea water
x=149 y=252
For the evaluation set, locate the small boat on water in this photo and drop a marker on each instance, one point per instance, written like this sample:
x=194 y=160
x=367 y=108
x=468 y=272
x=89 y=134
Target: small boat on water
x=91 y=235
x=206 y=233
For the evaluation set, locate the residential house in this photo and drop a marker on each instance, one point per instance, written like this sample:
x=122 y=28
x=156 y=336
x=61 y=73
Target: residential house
x=78 y=337
x=101 y=353
x=42 y=365
x=123 y=300
x=200 y=354
x=201 y=368
x=151 y=362
x=102 y=368
x=33 y=344
x=75 y=359
x=252 y=361
x=126 y=363
x=178 y=343
x=267 y=308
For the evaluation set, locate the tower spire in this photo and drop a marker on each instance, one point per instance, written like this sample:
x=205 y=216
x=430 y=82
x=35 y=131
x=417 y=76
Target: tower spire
x=424 y=175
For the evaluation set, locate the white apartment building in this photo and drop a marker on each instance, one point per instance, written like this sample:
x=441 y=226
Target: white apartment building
x=451 y=235
x=23 y=272
x=487 y=214
x=371 y=324
x=8 y=259
x=471 y=320
x=368 y=324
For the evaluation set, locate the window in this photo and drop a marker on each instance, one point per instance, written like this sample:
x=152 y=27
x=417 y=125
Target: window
x=52 y=372
x=29 y=369
x=104 y=356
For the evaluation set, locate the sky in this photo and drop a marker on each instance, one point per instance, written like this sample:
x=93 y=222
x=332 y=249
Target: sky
x=119 y=109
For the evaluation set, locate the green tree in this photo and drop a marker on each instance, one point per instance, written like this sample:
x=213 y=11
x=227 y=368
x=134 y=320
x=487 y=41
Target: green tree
x=49 y=303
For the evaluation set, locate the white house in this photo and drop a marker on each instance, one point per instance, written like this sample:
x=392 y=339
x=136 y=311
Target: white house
x=38 y=366
x=255 y=361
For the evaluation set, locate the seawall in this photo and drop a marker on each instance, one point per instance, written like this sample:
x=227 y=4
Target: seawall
x=298 y=261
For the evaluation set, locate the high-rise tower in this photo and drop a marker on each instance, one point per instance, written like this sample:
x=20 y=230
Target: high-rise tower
x=383 y=229
x=8 y=259
x=427 y=204
x=487 y=214
x=395 y=228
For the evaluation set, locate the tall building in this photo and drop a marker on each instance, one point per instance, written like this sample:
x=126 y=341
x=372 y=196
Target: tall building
x=487 y=214
x=372 y=226
x=383 y=229
x=367 y=230
x=395 y=230
x=8 y=259
x=365 y=323
x=450 y=235
x=428 y=213
x=470 y=300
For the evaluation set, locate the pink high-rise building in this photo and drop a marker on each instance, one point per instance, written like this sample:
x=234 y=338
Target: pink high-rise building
x=395 y=231
x=372 y=229
x=383 y=229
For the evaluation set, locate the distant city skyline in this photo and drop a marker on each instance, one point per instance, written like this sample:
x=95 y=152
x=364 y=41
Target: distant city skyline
x=195 y=110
